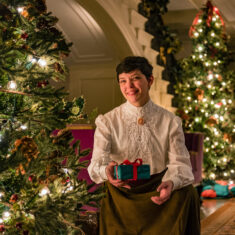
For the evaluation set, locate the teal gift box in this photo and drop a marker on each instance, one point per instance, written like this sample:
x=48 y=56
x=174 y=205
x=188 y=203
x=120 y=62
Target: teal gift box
x=132 y=170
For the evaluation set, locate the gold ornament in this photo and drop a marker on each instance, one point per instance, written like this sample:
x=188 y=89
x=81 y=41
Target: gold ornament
x=212 y=121
x=199 y=93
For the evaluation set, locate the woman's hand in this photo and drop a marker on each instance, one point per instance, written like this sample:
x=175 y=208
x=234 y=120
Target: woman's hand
x=165 y=189
x=109 y=170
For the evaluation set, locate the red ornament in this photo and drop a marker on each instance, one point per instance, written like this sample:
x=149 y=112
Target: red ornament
x=42 y=84
x=19 y=225
x=14 y=198
x=2 y=228
x=24 y=36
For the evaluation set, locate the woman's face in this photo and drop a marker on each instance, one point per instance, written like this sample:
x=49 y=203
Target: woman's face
x=135 y=87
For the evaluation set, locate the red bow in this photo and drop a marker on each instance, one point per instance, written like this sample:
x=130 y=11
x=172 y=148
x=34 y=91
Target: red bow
x=135 y=164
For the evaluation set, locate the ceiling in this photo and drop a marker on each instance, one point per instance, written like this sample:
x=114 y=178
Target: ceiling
x=181 y=13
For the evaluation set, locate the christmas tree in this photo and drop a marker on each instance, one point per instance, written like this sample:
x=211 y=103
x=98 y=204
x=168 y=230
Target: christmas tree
x=206 y=93
x=39 y=188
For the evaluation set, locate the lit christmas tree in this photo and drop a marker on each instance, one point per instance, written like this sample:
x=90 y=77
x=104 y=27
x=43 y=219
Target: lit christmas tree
x=39 y=189
x=206 y=93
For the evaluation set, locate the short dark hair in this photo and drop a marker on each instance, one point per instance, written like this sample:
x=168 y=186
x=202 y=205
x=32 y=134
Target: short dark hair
x=132 y=63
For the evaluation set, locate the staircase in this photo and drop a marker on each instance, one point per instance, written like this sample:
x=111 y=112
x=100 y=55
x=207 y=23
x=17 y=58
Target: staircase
x=136 y=22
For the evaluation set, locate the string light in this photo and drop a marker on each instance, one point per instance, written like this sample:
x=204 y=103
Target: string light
x=12 y=85
x=23 y=127
x=232 y=171
x=200 y=48
x=225 y=174
x=210 y=76
x=20 y=9
x=212 y=175
x=215 y=63
x=44 y=192
x=42 y=62
x=217 y=44
x=200 y=30
x=197 y=119
x=221 y=118
x=196 y=34
x=214 y=18
x=6 y=215
x=212 y=34
x=1 y=221
x=199 y=20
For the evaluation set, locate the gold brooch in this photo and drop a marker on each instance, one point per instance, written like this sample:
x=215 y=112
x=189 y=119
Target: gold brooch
x=141 y=121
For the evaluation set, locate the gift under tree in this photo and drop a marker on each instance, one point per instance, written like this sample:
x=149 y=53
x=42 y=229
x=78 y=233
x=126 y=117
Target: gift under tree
x=39 y=189
x=206 y=93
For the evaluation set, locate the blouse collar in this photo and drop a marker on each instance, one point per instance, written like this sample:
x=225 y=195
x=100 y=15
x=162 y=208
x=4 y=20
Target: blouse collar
x=130 y=108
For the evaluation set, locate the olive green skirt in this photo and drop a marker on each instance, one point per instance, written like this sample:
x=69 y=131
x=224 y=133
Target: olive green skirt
x=132 y=212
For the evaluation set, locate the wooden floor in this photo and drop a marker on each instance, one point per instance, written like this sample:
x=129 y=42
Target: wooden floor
x=219 y=217
x=209 y=206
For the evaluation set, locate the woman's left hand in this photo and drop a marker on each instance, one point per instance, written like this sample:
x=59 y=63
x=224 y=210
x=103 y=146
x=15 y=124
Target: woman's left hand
x=165 y=189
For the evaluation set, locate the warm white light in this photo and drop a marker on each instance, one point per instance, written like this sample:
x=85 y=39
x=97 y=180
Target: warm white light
x=215 y=63
x=217 y=106
x=23 y=127
x=216 y=143
x=200 y=21
x=231 y=182
x=210 y=76
x=207 y=138
x=213 y=18
x=207 y=64
x=44 y=192
x=207 y=150
x=20 y=9
x=193 y=56
x=202 y=110
x=42 y=62
x=230 y=101
x=224 y=101
x=232 y=171
x=212 y=175
x=1 y=194
x=198 y=83
x=196 y=34
x=216 y=115
x=223 y=83
x=12 y=85
x=212 y=34
x=212 y=102
x=217 y=44
x=224 y=159
x=200 y=56
x=6 y=215
x=1 y=221
x=200 y=30
x=200 y=48
x=206 y=114
x=197 y=119
x=188 y=98
x=186 y=111
x=225 y=174
x=219 y=61
x=209 y=86
x=221 y=118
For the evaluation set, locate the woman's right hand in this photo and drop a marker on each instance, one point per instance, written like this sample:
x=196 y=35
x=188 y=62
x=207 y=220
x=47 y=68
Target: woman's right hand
x=109 y=170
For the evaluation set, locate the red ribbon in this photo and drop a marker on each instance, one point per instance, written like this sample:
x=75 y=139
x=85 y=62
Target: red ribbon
x=135 y=164
x=212 y=9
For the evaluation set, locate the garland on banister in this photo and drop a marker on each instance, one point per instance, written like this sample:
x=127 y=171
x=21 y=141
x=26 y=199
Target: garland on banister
x=164 y=41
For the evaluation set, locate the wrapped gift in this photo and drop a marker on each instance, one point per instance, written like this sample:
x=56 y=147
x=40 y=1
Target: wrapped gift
x=132 y=170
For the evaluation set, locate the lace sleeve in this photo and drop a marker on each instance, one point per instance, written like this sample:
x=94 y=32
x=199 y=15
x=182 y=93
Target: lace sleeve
x=179 y=165
x=101 y=150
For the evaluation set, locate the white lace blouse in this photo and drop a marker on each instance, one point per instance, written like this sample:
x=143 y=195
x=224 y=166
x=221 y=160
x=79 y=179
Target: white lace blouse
x=159 y=141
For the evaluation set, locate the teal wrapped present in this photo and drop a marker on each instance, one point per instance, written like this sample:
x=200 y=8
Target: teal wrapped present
x=132 y=170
